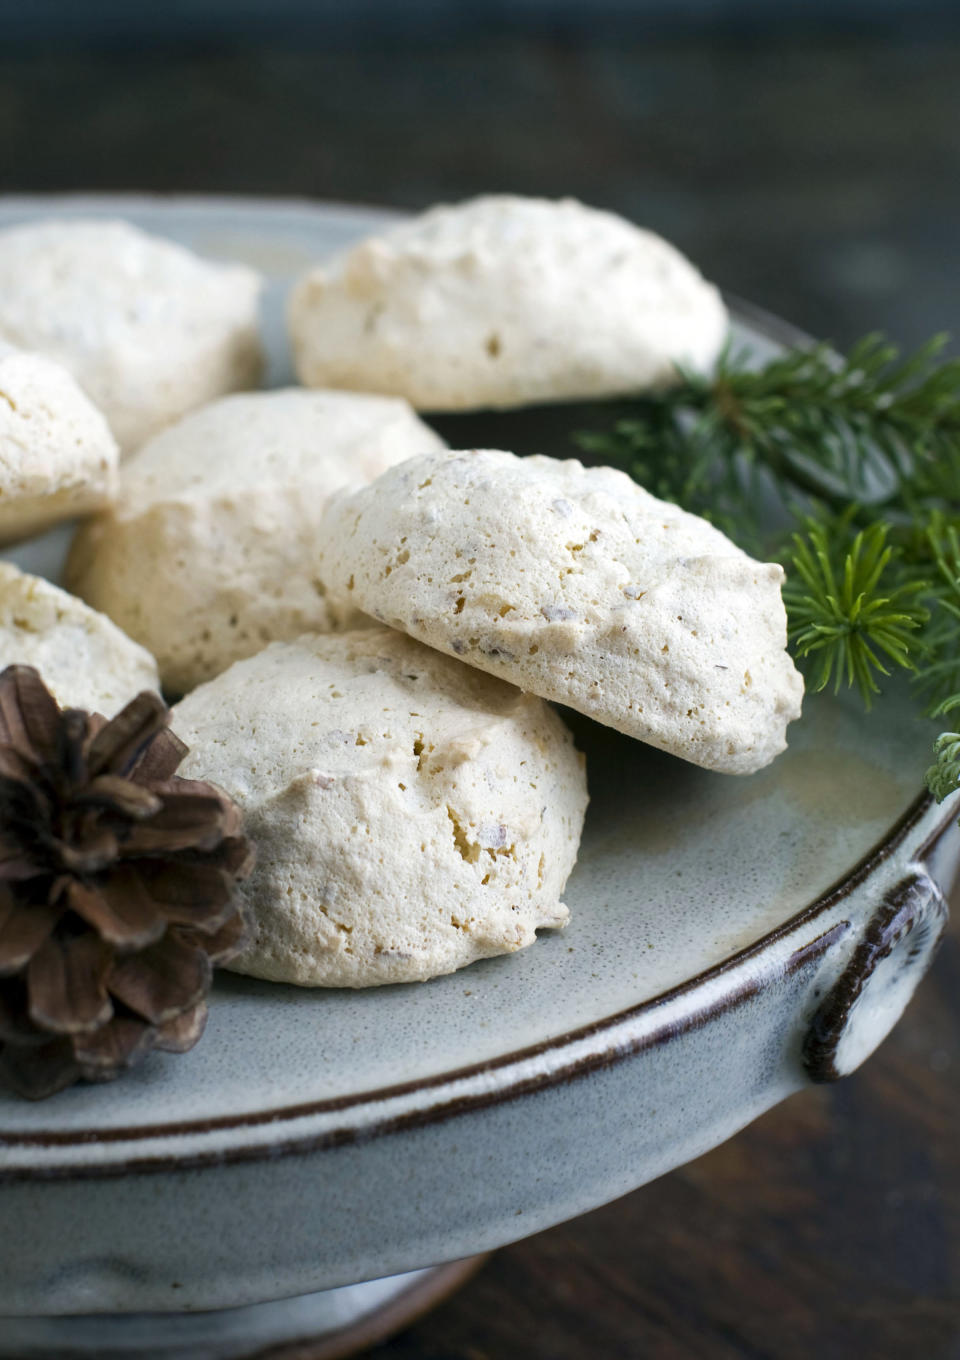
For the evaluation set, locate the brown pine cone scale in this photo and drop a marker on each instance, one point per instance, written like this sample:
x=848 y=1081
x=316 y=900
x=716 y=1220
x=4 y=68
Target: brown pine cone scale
x=116 y=888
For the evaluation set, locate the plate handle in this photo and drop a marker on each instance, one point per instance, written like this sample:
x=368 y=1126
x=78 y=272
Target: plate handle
x=872 y=992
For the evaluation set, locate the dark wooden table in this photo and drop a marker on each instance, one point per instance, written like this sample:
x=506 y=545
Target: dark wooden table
x=820 y=178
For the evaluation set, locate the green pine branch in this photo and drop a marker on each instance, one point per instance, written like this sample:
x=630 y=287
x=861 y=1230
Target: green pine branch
x=846 y=609
x=848 y=470
x=943 y=776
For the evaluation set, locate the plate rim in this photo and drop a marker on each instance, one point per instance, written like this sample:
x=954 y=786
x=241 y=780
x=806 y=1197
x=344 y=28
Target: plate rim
x=444 y=1100
x=770 y=327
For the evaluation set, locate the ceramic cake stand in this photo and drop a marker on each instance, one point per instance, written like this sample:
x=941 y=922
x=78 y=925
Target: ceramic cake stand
x=731 y=940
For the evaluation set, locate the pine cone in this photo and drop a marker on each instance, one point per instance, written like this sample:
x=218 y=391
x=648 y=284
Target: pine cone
x=116 y=888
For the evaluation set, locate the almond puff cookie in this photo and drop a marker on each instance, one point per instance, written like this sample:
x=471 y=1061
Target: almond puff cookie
x=505 y=301
x=84 y=659
x=58 y=458
x=579 y=586
x=209 y=552
x=148 y=329
x=411 y=814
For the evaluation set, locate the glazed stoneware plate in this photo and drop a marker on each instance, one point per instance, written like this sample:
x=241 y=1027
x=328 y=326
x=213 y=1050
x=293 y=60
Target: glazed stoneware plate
x=730 y=941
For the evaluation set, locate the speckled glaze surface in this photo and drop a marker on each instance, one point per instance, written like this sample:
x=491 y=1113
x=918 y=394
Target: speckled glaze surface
x=317 y=1139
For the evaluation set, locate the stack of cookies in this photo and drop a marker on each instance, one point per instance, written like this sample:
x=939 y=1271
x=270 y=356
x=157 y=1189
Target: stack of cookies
x=366 y=630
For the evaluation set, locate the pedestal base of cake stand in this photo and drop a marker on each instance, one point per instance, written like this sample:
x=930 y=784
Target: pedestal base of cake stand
x=330 y=1325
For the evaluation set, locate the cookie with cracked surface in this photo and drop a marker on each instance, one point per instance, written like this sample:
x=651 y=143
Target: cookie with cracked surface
x=578 y=585
x=84 y=659
x=505 y=301
x=208 y=553
x=58 y=458
x=411 y=815
x=148 y=329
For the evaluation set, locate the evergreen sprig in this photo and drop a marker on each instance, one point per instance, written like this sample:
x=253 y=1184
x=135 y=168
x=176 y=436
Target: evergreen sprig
x=943 y=776
x=843 y=611
x=846 y=468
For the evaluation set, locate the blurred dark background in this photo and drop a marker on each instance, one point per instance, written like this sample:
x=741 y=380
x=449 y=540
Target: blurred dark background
x=806 y=156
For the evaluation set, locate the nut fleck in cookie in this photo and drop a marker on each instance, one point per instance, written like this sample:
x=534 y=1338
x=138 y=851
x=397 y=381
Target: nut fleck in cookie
x=578 y=585
x=58 y=458
x=410 y=814
x=209 y=552
x=148 y=329
x=84 y=659
x=503 y=301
